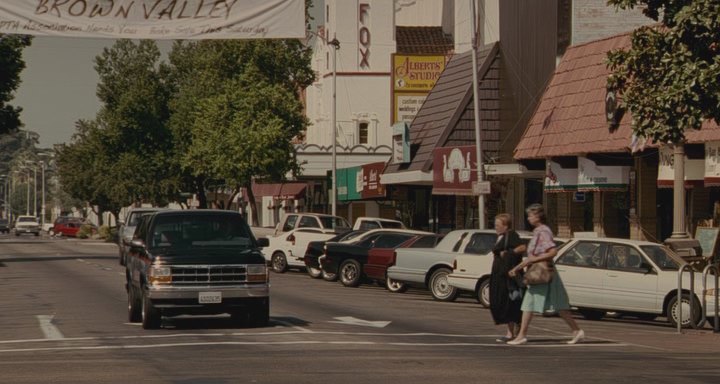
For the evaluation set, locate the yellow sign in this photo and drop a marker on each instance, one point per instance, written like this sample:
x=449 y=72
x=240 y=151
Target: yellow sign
x=416 y=73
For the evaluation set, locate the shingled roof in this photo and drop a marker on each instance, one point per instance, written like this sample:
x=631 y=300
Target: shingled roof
x=570 y=118
x=443 y=108
x=422 y=40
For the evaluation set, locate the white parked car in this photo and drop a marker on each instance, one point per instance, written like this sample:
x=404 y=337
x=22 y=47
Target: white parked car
x=368 y=223
x=430 y=267
x=288 y=249
x=628 y=277
x=472 y=273
x=27 y=224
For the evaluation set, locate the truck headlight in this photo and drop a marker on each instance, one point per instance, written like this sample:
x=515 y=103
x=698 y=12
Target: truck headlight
x=160 y=275
x=257 y=273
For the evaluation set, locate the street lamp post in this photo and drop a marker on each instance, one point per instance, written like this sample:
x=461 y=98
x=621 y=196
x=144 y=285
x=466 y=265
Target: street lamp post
x=42 y=208
x=336 y=45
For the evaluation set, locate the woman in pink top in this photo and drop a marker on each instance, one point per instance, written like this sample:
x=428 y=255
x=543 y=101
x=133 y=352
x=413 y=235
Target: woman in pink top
x=549 y=297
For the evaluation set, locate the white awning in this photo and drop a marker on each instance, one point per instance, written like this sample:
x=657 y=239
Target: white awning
x=409 y=177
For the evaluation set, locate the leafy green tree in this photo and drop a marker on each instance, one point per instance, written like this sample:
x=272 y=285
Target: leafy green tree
x=235 y=110
x=668 y=78
x=83 y=167
x=11 y=64
x=122 y=156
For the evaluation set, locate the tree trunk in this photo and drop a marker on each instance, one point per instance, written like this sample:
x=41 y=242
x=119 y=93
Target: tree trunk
x=251 y=203
x=200 y=188
x=229 y=200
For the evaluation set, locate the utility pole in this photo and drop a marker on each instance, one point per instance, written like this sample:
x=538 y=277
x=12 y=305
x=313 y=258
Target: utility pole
x=333 y=201
x=476 y=110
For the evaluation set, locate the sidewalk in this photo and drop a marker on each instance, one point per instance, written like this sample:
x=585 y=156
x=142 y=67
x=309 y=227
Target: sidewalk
x=262 y=231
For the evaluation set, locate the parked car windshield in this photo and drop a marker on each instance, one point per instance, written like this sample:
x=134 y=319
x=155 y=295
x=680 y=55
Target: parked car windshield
x=391 y=224
x=334 y=222
x=174 y=231
x=26 y=219
x=662 y=257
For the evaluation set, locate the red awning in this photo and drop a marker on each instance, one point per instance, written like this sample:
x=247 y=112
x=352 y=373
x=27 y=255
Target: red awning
x=279 y=190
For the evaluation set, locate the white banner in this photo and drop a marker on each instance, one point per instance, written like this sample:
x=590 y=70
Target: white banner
x=712 y=164
x=155 y=19
x=593 y=177
x=694 y=170
x=559 y=179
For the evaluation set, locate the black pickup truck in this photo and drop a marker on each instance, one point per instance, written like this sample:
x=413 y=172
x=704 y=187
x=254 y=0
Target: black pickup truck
x=196 y=262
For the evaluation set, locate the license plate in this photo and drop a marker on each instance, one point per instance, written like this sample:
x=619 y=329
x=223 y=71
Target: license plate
x=210 y=297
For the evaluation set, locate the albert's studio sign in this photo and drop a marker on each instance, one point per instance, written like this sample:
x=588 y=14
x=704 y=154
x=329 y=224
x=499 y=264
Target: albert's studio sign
x=155 y=19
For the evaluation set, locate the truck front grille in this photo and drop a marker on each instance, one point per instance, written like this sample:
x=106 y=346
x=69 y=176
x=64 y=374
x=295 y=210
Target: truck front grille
x=208 y=274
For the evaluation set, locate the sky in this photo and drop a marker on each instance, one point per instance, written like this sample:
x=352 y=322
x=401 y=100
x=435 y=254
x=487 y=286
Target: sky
x=59 y=83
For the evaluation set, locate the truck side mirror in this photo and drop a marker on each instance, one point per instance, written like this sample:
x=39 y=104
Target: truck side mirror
x=137 y=244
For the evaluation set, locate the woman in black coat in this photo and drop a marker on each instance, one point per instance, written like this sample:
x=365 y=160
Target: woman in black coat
x=505 y=294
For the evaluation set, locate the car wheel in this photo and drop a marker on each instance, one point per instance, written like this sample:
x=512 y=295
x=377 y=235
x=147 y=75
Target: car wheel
x=329 y=276
x=150 y=315
x=350 y=273
x=315 y=273
x=134 y=311
x=482 y=293
x=279 y=262
x=672 y=312
x=439 y=286
x=591 y=314
x=395 y=286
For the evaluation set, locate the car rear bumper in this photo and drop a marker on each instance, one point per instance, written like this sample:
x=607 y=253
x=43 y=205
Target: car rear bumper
x=464 y=282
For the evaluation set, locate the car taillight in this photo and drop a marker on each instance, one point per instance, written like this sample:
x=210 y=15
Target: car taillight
x=291 y=238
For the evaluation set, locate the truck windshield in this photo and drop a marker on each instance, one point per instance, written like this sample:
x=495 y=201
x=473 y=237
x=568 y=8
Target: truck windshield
x=177 y=231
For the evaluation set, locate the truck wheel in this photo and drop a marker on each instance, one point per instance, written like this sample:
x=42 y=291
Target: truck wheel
x=672 y=311
x=439 y=286
x=482 y=292
x=259 y=315
x=150 y=315
x=395 y=286
x=350 y=273
x=329 y=276
x=315 y=273
x=279 y=262
x=134 y=312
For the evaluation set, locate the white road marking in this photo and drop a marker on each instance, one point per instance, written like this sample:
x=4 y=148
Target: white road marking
x=306 y=342
x=301 y=329
x=50 y=331
x=349 y=320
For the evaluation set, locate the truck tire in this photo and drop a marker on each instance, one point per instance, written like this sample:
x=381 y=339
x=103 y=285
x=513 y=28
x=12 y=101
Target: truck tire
x=150 y=315
x=350 y=273
x=279 y=262
x=439 y=286
x=134 y=311
x=259 y=315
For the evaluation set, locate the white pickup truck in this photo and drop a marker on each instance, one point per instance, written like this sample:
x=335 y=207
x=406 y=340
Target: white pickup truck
x=287 y=249
x=430 y=267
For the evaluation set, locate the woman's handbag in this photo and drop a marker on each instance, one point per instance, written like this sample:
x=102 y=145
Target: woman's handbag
x=538 y=273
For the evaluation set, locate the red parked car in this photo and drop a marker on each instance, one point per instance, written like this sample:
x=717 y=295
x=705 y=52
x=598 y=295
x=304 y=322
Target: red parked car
x=66 y=226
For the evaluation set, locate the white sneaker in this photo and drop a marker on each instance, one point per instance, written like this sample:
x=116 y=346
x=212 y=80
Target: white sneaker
x=577 y=337
x=518 y=341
